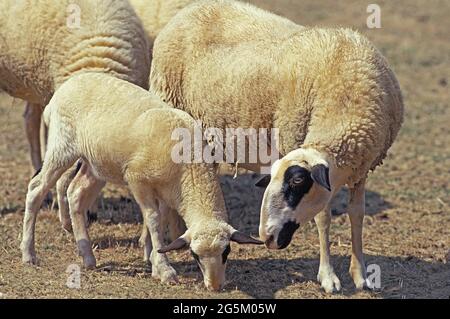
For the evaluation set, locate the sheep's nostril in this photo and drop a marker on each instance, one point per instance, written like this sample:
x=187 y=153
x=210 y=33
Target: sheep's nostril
x=269 y=240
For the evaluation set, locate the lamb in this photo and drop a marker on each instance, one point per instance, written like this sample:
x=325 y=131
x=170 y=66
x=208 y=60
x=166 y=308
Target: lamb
x=51 y=46
x=329 y=91
x=122 y=134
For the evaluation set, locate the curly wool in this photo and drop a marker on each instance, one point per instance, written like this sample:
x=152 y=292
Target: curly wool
x=45 y=51
x=234 y=65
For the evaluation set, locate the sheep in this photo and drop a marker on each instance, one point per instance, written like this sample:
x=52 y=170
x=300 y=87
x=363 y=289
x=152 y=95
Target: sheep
x=155 y=14
x=123 y=134
x=329 y=91
x=58 y=39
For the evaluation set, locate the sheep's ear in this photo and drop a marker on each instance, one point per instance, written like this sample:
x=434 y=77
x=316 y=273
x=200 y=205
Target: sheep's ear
x=179 y=243
x=242 y=238
x=321 y=175
x=263 y=182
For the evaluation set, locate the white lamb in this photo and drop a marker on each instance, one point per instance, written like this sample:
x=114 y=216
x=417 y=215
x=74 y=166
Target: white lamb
x=123 y=134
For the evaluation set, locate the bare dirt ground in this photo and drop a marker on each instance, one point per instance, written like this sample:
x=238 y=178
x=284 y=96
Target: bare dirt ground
x=407 y=229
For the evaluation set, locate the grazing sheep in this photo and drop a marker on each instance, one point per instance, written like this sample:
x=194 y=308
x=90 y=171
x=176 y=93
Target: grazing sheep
x=331 y=94
x=58 y=39
x=123 y=134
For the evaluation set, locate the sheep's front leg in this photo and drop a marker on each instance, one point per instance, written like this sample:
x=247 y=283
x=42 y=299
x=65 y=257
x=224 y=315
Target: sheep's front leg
x=169 y=219
x=82 y=192
x=326 y=276
x=145 y=242
x=161 y=267
x=63 y=203
x=356 y=210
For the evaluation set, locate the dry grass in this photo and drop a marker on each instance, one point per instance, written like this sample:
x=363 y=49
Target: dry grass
x=407 y=232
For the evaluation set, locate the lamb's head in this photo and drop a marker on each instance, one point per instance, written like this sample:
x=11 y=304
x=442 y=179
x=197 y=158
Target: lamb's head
x=297 y=189
x=209 y=242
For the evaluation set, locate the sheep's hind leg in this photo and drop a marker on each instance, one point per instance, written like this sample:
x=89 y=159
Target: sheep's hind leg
x=32 y=120
x=63 y=203
x=161 y=267
x=326 y=276
x=38 y=188
x=82 y=192
x=356 y=210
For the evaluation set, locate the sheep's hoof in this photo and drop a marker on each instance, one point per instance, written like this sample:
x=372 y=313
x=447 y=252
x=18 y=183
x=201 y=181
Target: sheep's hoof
x=170 y=278
x=166 y=274
x=364 y=284
x=29 y=259
x=89 y=262
x=360 y=281
x=329 y=281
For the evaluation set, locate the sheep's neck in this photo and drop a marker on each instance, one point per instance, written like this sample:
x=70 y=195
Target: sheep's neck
x=199 y=195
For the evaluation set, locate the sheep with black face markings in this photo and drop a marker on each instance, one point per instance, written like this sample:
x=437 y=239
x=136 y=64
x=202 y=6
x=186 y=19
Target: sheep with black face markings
x=123 y=134
x=330 y=92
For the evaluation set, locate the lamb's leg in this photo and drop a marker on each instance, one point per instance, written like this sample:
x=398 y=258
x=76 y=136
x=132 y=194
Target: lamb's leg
x=356 y=209
x=169 y=219
x=145 y=242
x=326 y=276
x=32 y=121
x=161 y=267
x=37 y=190
x=63 y=203
x=176 y=225
x=82 y=192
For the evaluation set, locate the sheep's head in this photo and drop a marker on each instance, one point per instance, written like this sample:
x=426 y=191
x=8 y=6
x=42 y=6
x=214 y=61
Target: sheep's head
x=209 y=243
x=297 y=189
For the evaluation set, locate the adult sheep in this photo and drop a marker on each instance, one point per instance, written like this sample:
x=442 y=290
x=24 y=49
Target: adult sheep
x=331 y=94
x=155 y=14
x=44 y=43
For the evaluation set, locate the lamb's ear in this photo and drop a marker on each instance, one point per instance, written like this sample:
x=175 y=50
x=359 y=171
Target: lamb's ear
x=263 y=182
x=321 y=175
x=177 y=244
x=242 y=238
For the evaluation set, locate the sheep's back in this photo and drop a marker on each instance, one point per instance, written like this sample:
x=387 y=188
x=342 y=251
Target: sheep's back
x=42 y=46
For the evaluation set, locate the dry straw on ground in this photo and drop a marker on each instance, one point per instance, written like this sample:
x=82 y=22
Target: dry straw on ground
x=407 y=231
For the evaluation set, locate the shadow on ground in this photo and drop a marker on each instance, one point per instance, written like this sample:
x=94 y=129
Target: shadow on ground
x=267 y=278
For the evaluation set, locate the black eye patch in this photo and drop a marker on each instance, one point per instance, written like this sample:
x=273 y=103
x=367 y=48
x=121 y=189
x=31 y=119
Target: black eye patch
x=225 y=254
x=297 y=182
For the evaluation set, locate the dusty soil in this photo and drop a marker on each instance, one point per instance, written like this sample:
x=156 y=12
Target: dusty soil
x=407 y=229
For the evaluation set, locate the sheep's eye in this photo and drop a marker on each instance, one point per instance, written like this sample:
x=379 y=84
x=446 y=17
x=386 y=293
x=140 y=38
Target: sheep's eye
x=297 y=180
x=225 y=254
